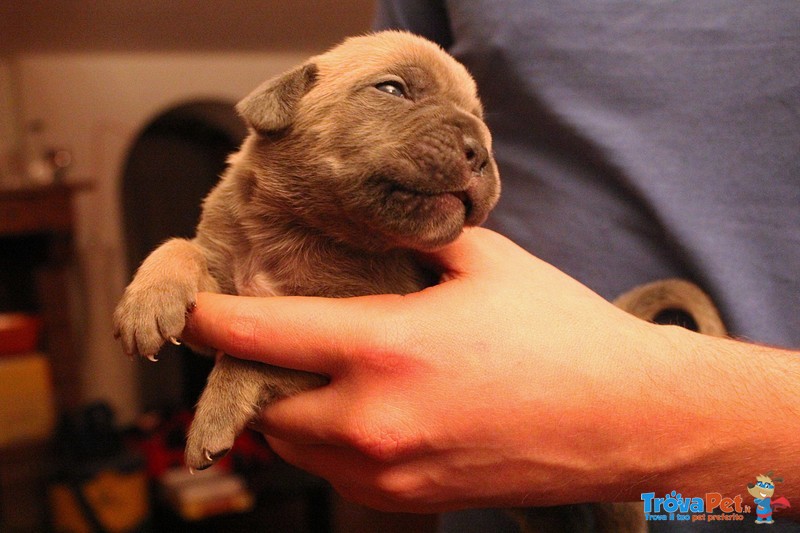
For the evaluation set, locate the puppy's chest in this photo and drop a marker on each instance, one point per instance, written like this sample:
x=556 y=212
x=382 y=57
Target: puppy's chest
x=269 y=270
x=258 y=283
x=335 y=275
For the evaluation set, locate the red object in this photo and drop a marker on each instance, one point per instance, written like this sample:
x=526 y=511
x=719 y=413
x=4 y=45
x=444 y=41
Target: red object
x=781 y=503
x=19 y=333
x=162 y=437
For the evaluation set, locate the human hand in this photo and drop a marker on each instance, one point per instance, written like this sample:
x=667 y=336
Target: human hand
x=508 y=384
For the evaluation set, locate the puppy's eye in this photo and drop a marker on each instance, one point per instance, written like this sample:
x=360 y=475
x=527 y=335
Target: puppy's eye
x=395 y=88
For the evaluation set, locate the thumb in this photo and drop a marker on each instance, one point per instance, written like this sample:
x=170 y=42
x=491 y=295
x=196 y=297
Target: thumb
x=476 y=251
x=302 y=333
x=322 y=335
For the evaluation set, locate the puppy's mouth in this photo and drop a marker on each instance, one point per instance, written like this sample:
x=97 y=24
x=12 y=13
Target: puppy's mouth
x=446 y=199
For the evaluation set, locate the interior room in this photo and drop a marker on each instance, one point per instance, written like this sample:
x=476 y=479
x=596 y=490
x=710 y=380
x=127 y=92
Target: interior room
x=116 y=119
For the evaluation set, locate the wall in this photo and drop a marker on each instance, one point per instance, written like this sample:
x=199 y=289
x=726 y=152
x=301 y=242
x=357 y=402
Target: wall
x=94 y=104
x=8 y=119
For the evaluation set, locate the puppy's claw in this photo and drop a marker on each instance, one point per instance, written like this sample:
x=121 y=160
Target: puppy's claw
x=152 y=358
x=175 y=341
x=214 y=457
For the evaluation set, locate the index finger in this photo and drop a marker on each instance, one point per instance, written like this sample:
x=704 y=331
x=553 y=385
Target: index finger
x=303 y=333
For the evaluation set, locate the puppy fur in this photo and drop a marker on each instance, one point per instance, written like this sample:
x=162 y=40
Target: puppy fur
x=356 y=160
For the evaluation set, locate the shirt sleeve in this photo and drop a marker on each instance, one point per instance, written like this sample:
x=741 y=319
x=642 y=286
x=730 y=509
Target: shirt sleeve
x=427 y=18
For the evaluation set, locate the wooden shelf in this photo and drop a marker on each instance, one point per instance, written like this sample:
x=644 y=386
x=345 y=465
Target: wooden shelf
x=36 y=256
x=36 y=271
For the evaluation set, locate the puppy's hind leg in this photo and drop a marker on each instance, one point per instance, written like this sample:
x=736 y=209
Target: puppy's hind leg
x=236 y=392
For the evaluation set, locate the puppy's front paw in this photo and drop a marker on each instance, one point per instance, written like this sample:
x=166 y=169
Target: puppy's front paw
x=149 y=315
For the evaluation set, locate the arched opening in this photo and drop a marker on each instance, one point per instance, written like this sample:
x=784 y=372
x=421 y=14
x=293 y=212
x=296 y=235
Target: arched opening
x=172 y=165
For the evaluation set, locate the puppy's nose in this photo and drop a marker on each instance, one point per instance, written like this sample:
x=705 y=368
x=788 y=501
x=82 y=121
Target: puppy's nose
x=477 y=155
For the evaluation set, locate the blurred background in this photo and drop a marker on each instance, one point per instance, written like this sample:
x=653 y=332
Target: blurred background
x=115 y=121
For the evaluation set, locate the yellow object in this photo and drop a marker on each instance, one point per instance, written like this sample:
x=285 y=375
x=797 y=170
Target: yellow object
x=207 y=493
x=26 y=398
x=118 y=501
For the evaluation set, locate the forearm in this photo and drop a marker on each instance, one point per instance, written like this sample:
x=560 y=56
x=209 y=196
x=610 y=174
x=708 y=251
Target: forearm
x=720 y=413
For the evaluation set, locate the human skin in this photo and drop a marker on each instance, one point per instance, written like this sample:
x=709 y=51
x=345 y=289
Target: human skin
x=511 y=384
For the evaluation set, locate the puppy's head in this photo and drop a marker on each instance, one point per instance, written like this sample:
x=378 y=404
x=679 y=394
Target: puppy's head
x=379 y=142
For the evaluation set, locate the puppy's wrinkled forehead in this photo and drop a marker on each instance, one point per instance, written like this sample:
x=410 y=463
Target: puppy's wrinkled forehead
x=420 y=63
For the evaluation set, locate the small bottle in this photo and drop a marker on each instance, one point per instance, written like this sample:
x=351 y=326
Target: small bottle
x=60 y=159
x=40 y=168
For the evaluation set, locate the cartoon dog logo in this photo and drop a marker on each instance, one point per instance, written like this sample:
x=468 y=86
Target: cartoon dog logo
x=762 y=491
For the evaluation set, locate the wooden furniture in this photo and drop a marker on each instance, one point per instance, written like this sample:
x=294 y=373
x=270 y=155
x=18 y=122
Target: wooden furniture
x=36 y=261
x=36 y=266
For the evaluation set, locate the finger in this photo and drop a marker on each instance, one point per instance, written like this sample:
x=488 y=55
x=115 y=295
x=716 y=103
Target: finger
x=392 y=487
x=353 y=476
x=322 y=460
x=337 y=466
x=303 y=333
x=312 y=417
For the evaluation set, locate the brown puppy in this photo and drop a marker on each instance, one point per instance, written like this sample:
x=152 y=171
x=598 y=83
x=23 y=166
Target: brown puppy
x=355 y=160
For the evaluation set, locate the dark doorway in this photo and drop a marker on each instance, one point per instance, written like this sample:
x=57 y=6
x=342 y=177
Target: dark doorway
x=171 y=166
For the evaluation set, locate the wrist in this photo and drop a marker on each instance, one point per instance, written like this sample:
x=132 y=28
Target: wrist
x=677 y=426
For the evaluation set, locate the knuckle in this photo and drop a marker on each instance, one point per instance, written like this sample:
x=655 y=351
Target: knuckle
x=396 y=486
x=384 y=447
x=400 y=490
x=380 y=437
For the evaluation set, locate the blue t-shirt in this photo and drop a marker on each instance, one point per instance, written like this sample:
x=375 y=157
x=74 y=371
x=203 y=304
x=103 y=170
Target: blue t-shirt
x=640 y=140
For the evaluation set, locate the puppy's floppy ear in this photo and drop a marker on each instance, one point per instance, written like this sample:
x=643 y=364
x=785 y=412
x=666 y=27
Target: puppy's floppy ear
x=271 y=107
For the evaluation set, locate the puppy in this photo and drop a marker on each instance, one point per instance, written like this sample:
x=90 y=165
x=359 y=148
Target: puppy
x=355 y=160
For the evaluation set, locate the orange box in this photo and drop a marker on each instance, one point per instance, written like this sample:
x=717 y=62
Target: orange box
x=26 y=399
